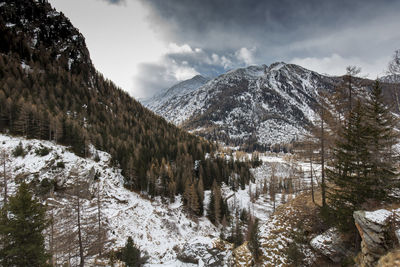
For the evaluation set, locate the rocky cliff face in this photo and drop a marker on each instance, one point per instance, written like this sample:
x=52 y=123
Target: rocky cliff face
x=39 y=28
x=379 y=233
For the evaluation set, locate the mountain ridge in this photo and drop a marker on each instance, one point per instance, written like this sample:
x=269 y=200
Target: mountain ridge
x=261 y=104
x=258 y=107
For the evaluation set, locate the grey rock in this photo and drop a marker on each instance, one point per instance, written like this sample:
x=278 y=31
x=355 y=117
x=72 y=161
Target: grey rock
x=331 y=245
x=195 y=251
x=373 y=227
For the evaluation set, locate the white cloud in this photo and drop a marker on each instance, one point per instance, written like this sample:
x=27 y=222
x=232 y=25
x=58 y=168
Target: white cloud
x=336 y=65
x=174 y=48
x=246 y=55
x=183 y=73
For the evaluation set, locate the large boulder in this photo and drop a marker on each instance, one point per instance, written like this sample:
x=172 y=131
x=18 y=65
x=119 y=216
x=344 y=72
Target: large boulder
x=373 y=227
x=331 y=244
x=203 y=252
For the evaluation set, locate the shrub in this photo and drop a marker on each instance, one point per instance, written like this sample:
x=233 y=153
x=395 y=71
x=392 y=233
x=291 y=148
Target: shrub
x=97 y=157
x=131 y=255
x=45 y=186
x=19 y=151
x=61 y=164
x=294 y=254
x=42 y=151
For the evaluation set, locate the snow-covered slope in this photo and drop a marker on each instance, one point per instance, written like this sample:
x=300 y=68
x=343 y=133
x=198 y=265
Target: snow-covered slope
x=161 y=229
x=257 y=104
x=158 y=228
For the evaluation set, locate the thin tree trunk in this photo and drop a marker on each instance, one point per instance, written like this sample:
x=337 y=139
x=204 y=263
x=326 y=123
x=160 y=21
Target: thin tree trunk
x=350 y=92
x=274 y=201
x=99 y=217
x=82 y=260
x=5 y=177
x=323 y=160
x=312 y=180
x=53 y=256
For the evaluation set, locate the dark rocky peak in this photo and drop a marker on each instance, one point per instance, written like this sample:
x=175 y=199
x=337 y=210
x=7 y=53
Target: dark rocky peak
x=36 y=31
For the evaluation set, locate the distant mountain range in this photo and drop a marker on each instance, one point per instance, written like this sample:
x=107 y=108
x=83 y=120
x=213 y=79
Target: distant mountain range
x=257 y=105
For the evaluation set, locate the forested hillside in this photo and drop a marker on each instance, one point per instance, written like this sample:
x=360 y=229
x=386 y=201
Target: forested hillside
x=50 y=90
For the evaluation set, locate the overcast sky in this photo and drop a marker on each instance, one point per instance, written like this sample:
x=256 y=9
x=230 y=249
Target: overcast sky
x=147 y=45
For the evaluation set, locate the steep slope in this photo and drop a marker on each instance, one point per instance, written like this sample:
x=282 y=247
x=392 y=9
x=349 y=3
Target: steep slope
x=163 y=230
x=50 y=90
x=156 y=227
x=258 y=105
x=159 y=101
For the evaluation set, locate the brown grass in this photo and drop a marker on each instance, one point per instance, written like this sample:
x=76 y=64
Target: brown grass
x=391 y=259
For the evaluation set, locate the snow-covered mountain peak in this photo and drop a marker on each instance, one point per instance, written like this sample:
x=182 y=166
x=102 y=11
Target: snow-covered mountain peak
x=262 y=104
x=276 y=66
x=253 y=71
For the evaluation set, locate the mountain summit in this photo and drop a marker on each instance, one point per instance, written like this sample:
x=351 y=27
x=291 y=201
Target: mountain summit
x=257 y=105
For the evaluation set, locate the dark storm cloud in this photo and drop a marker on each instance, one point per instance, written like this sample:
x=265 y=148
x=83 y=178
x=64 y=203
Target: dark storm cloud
x=227 y=25
x=255 y=31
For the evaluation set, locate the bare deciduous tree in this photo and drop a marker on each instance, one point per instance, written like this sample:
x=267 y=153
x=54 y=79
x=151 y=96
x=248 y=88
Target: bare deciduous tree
x=4 y=159
x=273 y=184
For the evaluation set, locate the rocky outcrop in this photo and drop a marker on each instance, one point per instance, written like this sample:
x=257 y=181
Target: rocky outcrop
x=204 y=253
x=373 y=227
x=331 y=244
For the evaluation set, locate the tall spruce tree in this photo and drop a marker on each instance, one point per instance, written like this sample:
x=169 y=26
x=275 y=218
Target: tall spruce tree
x=364 y=158
x=21 y=226
x=381 y=140
x=349 y=173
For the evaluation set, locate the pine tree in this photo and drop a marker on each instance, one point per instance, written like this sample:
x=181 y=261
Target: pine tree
x=381 y=139
x=238 y=235
x=193 y=200
x=363 y=159
x=254 y=240
x=211 y=208
x=130 y=254
x=200 y=192
x=349 y=173
x=22 y=223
